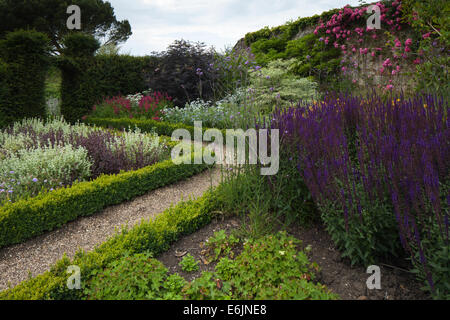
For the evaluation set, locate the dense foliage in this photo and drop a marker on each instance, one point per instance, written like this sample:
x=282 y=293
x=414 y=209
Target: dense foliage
x=23 y=64
x=50 y=16
x=268 y=268
x=87 y=79
x=180 y=71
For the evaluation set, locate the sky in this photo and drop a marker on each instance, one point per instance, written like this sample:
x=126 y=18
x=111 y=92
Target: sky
x=220 y=23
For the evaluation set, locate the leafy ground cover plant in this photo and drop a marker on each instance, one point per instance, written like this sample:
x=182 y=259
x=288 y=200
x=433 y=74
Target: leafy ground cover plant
x=271 y=267
x=220 y=245
x=134 y=277
x=268 y=268
x=189 y=264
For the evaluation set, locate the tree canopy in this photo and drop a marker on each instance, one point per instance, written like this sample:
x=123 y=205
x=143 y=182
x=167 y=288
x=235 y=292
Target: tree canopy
x=50 y=17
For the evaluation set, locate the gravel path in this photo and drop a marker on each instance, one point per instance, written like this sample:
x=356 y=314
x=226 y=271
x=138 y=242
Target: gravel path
x=38 y=254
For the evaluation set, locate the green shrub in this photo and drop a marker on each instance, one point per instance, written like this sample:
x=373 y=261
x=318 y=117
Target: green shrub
x=363 y=241
x=78 y=93
x=290 y=29
x=207 y=287
x=276 y=85
x=119 y=74
x=188 y=263
x=27 y=218
x=148 y=125
x=25 y=62
x=3 y=93
x=220 y=245
x=312 y=58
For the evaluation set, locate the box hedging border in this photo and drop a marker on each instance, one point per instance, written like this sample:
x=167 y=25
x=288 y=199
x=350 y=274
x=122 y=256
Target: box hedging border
x=148 y=125
x=25 y=219
x=153 y=236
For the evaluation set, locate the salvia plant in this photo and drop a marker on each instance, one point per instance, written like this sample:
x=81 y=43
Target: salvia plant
x=379 y=172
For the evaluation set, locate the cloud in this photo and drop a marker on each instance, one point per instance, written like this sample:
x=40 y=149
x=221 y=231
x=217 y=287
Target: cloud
x=157 y=23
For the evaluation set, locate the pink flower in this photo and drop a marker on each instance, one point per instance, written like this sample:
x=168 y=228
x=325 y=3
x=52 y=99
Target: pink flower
x=417 y=61
x=426 y=35
x=408 y=42
x=407 y=49
x=389 y=87
x=387 y=63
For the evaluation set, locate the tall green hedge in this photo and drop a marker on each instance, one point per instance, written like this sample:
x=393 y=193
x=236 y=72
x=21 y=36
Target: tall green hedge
x=3 y=93
x=86 y=78
x=120 y=74
x=77 y=92
x=25 y=61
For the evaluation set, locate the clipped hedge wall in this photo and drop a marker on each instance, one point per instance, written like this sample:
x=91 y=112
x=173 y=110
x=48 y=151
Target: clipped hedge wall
x=153 y=236
x=24 y=219
x=147 y=125
x=119 y=74
x=87 y=79
x=77 y=92
x=3 y=93
x=23 y=70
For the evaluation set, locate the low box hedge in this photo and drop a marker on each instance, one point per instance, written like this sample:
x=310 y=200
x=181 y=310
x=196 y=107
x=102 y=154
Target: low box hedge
x=146 y=125
x=154 y=236
x=27 y=218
